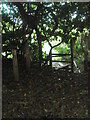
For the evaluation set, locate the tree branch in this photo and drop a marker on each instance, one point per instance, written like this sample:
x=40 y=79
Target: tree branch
x=55 y=20
x=27 y=19
x=57 y=44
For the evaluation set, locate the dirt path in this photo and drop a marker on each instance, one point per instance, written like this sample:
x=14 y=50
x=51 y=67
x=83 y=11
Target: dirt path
x=45 y=93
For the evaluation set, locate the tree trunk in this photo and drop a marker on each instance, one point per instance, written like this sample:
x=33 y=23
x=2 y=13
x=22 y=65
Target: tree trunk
x=40 y=47
x=40 y=52
x=27 y=51
x=84 y=45
x=85 y=58
x=85 y=64
x=15 y=65
x=27 y=57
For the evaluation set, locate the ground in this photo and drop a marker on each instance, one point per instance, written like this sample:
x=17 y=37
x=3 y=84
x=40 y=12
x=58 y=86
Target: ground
x=43 y=93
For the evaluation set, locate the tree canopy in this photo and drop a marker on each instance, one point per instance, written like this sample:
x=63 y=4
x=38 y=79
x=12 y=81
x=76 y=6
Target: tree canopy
x=42 y=21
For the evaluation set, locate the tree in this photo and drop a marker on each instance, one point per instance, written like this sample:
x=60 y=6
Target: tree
x=49 y=20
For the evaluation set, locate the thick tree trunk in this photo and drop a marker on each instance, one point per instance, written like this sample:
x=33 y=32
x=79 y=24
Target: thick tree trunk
x=27 y=57
x=15 y=65
x=85 y=64
x=40 y=52
x=84 y=44
x=85 y=60
x=26 y=51
x=40 y=47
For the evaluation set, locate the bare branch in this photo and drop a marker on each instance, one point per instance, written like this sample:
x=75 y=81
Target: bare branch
x=57 y=44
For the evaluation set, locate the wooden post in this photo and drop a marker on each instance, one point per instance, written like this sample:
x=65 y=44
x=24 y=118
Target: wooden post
x=51 y=58
x=86 y=53
x=15 y=65
x=89 y=89
x=71 y=42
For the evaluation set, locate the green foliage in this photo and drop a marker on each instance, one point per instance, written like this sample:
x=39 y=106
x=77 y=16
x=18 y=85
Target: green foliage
x=78 y=54
x=34 y=47
x=65 y=20
x=63 y=49
x=34 y=51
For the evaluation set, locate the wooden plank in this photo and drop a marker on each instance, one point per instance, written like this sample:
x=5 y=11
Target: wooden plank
x=60 y=56
x=57 y=55
x=60 y=61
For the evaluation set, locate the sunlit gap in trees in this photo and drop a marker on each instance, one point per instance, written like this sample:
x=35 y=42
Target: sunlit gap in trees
x=6 y=8
x=74 y=15
x=46 y=48
x=0 y=9
x=11 y=13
